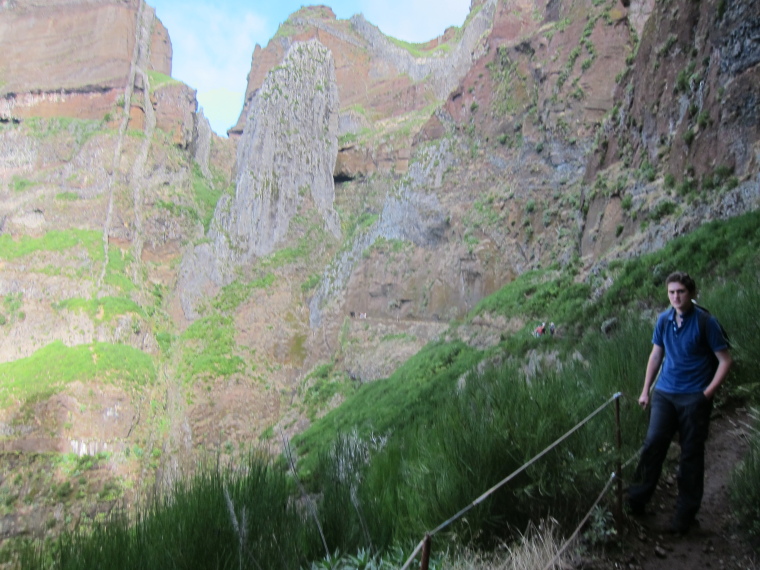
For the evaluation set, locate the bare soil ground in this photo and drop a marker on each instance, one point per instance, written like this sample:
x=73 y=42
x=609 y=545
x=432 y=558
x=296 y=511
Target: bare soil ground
x=718 y=541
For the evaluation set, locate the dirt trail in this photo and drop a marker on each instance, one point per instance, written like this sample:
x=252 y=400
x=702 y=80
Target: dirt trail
x=717 y=543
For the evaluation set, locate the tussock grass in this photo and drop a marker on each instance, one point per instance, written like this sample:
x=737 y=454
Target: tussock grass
x=221 y=518
x=535 y=549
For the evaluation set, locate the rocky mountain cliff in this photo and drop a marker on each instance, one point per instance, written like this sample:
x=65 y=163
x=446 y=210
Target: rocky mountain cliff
x=166 y=292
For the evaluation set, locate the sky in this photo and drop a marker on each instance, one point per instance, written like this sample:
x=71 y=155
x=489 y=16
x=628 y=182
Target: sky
x=213 y=41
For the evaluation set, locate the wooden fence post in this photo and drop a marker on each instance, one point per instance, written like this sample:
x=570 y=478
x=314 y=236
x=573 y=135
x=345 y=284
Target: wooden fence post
x=426 y=553
x=619 y=468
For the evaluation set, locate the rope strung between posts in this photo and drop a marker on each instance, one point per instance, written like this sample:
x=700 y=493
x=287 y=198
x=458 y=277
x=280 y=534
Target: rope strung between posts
x=573 y=536
x=506 y=480
x=583 y=521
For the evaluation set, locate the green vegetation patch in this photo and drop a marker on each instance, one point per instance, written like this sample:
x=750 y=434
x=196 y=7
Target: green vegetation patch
x=320 y=386
x=233 y=295
x=116 y=270
x=210 y=349
x=55 y=365
x=311 y=283
x=158 y=80
x=375 y=409
x=510 y=87
x=288 y=255
x=80 y=130
x=720 y=248
x=745 y=489
x=541 y=294
x=11 y=309
x=420 y=50
x=179 y=210
x=220 y=518
x=206 y=196
x=19 y=184
x=102 y=309
x=55 y=240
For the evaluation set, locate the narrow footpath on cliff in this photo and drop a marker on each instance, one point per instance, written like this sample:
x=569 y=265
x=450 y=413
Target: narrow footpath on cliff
x=717 y=542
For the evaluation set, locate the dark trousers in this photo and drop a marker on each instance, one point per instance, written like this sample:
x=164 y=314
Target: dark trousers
x=689 y=415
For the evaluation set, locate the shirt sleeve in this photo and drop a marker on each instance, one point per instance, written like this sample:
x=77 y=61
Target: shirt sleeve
x=715 y=337
x=657 y=334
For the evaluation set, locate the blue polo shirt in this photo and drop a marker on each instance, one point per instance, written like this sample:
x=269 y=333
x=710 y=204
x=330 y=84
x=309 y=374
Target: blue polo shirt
x=689 y=363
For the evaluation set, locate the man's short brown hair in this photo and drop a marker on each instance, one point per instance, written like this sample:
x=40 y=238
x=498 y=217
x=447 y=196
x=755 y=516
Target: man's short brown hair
x=684 y=279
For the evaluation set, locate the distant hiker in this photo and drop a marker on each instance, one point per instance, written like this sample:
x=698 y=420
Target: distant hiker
x=353 y=314
x=542 y=329
x=551 y=329
x=693 y=351
x=537 y=331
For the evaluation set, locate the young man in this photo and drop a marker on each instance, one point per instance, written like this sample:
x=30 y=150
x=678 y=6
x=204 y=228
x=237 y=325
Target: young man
x=689 y=345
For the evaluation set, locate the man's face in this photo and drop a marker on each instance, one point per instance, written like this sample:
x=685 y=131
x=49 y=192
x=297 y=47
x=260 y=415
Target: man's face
x=679 y=297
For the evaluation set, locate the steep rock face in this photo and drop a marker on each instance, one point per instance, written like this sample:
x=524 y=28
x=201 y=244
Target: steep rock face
x=71 y=58
x=687 y=118
x=691 y=92
x=502 y=162
x=176 y=107
x=286 y=155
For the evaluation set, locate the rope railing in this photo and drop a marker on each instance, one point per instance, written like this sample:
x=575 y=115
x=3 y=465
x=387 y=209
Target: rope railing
x=614 y=398
x=613 y=477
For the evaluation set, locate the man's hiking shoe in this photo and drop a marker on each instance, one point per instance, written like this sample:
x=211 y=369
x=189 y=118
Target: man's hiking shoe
x=635 y=508
x=682 y=525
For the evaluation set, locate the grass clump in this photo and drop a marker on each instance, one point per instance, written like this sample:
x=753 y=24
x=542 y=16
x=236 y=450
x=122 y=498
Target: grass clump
x=80 y=130
x=210 y=349
x=375 y=408
x=158 y=80
x=233 y=295
x=102 y=309
x=116 y=270
x=55 y=240
x=221 y=518
x=539 y=294
x=320 y=386
x=19 y=184
x=55 y=365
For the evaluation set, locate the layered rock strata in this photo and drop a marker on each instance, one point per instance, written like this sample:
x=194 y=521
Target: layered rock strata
x=71 y=58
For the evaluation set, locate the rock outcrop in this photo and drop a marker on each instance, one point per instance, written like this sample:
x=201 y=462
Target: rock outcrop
x=285 y=161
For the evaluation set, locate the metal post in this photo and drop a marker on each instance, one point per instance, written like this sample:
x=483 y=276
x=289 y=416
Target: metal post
x=619 y=469
x=426 y=553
